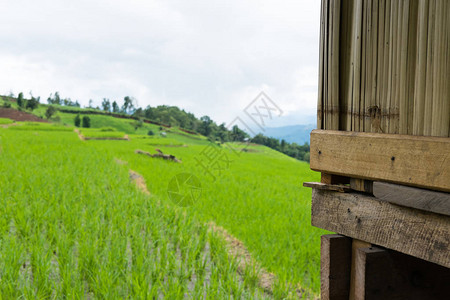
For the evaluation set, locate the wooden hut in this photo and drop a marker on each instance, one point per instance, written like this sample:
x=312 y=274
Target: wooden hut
x=383 y=149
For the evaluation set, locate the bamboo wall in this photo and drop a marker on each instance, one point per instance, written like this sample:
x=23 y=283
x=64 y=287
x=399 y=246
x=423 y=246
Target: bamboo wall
x=385 y=66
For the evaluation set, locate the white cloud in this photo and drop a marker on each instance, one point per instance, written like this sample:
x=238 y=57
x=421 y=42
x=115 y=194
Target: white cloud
x=209 y=57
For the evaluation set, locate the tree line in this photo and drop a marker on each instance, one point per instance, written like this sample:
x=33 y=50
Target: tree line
x=171 y=116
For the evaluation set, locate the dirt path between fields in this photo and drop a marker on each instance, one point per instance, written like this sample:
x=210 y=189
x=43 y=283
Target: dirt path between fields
x=8 y=125
x=139 y=181
x=79 y=134
x=236 y=248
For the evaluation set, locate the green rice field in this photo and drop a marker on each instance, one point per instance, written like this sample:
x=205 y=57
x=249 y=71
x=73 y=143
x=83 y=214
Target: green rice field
x=75 y=226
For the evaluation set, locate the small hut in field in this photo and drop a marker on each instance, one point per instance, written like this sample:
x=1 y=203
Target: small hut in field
x=383 y=149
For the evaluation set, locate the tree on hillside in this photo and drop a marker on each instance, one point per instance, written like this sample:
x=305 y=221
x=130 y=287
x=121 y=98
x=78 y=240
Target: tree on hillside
x=20 y=100
x=306 y=156
x=222 y=133
x=139 y=113
x=33 y=103
x=148 y=113
x=205 y=127
x=77 y=120
x=237 y=134
x=138 y=124
x=106 y=105
x=86 y=122
x=283 y=144
x=6 y=103
x=50 y=112
x=56 y=99
x=127 y=104
x=115 y=107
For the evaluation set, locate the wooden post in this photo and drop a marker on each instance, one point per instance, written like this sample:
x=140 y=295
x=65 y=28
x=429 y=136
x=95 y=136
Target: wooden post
x=335 y=259
x=356 y=245
x=387 y=274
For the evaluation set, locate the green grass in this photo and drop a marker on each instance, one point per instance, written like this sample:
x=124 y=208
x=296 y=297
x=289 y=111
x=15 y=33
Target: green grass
x=73 y=226
x=101 y=133
x=258 y=197
x=38 y=126
x=98 y=121
x=6 y=121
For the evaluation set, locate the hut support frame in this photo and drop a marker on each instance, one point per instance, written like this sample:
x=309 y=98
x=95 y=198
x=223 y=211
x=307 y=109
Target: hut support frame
x=391 y=246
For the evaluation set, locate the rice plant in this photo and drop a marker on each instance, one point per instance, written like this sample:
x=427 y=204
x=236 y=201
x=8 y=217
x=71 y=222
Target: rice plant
x=74 y=226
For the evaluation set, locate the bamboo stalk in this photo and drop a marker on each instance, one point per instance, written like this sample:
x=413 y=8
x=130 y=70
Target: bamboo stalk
x=386 y=68
x=403 y=51
x=357 y=73
x=372 y=108
x=391 y=68
x=320 y=93
x=380 y=63
x=345 y=63
x=325 y=67
x=446 y=108
x=411 y=61
x=420 y=81
x=351 y=70
x=436 y=119
x=394 y=121
x=334 y=72
x=365 y=15
x=428 y=109
x=442 y=103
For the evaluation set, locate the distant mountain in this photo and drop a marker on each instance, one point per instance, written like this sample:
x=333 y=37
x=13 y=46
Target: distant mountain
x=293 y=134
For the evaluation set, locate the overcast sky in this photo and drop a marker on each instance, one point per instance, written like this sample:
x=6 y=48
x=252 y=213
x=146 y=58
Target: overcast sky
x=208 y=57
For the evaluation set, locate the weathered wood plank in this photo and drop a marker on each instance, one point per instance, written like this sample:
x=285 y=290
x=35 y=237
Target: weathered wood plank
x=422 y=199
x=386 y=274
x=333 y=179
x=356 y=244
x=329 y=187
x=369 y=265
x=421 y=234
x=361 y=185
x=335 y=258
x=411 y=160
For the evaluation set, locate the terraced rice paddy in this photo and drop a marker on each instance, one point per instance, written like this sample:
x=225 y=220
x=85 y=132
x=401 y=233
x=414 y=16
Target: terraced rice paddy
x=73 y=224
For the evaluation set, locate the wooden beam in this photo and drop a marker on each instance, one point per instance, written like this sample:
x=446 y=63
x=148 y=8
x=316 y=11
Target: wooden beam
x=333 y=179
x=361 y=185
x=411 y=160
x=329 y=187
x=422 y=199
x=356 y=244
x=335 y=258
x=421 y=234
x=386 y=274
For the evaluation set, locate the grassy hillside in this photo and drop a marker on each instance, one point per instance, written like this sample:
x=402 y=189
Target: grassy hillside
x=73 y=226
x=256 y=195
